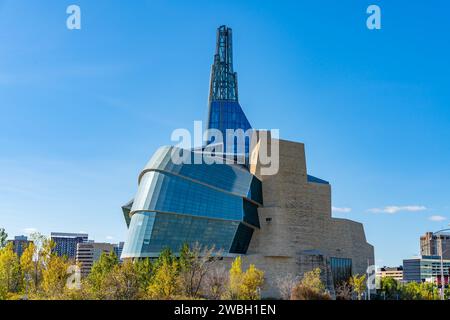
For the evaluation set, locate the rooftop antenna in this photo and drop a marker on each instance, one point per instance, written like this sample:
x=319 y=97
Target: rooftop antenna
x=223 y=83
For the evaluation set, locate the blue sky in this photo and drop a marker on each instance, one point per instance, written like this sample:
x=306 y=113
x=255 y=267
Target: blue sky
x=83 y=111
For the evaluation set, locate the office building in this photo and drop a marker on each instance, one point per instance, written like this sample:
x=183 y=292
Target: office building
x=89 y=252
x=19 y=244
x=425 y=269
x=66 y=243
x=118 y=248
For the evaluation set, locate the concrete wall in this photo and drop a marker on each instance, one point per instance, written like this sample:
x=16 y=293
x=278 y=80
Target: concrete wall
x=300 y=233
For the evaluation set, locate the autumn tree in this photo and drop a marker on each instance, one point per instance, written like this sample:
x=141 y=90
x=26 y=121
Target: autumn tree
x=244 y=285
x=165 y=283
x=122 y=283
x=285 y=284
x=252 y=281
x=344 y=291
x=54 y=276
x=235 y=279
x=9 y=271
x=215 y=284
x=195 y=263
x=358 y=284
x=33 y=261
x=310 y=287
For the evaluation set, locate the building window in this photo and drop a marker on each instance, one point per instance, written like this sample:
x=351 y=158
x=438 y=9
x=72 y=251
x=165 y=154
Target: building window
x=341 y=269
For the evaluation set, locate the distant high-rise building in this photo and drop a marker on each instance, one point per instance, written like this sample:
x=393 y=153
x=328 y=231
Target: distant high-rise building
x=19 y=244
x=435 y=245
x=89 y=252
x=118 y=248
x=66 y=243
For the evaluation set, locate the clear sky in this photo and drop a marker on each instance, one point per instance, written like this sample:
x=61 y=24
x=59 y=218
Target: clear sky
x=81 y=112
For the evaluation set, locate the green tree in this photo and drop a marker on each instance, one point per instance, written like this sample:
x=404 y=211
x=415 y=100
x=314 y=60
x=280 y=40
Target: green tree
x=97 y=281
x=447 y=294
x=428 y=291
x=419 y=291
x=411 y=291
x=3 y=237
x=358 y=284
x=390 y=287
x=9 y=271
x=144 y=270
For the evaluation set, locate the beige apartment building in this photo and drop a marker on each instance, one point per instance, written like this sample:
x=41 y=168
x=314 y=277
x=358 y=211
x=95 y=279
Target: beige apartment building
x=88 y=253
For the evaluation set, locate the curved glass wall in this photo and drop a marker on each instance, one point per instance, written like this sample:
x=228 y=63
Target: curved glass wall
x=228 y=177
x=214 y=205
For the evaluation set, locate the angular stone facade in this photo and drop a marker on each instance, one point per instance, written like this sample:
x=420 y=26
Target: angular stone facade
x=297 y=231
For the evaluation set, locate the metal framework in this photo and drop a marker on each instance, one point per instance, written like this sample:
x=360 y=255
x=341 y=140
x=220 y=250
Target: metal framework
x=223 y=86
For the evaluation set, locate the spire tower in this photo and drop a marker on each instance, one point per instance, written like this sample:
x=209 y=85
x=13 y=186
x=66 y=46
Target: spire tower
x=223 y=85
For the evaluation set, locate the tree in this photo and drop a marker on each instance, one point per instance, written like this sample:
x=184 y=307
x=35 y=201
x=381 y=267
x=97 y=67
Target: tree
x=215 y=284
x=411 y=291
x=3 y=237
x=252 y=281
x=235 y=279
x=37 y=254
x=390 y=287
x=123 y=282
x=310 y=287
x=244 y=285
x=165 y=283
x=285 y=284
x=428 y=291
x=9 y=271
x=195 y=263
x=419 y=291
x=344 y=291
x=54 y=277
x=28 y=268
x=144 y=270
x=358 y=284
x=97 y=281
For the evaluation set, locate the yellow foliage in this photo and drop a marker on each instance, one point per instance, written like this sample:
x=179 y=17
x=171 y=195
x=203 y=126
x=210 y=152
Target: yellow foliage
x=165 y=283
x=244 y=285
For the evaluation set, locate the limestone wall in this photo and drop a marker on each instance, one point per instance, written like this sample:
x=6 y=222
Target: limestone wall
x=297 y=231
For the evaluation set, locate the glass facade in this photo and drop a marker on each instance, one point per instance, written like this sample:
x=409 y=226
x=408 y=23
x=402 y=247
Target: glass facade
x=341 y=269
x=225 y=115
x=214 y=205
x=428 y=268
x=66 y=243
x=231 y=178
